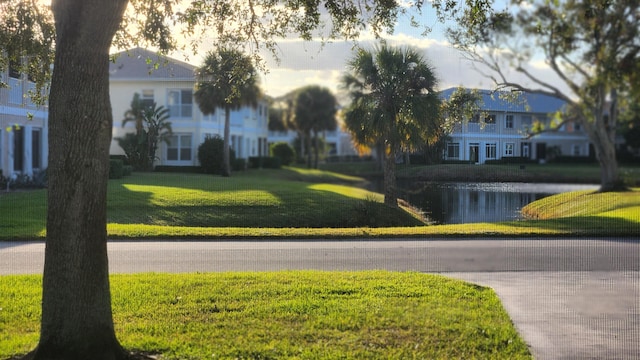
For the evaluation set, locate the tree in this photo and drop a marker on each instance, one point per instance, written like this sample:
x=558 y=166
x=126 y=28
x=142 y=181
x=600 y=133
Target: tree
x=592 y=46
x=152 y=126
x=76 y=318
x=314 y=110
x=394 y=104
x=226 y=80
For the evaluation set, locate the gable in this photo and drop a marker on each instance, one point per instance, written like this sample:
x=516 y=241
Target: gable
x=143 y=64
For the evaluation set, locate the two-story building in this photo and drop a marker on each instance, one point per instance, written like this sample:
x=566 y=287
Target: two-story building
x=502 y=130
x=23 y=127
x=170 y=83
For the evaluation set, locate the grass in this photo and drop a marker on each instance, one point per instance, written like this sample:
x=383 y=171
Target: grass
x=291 y=314
x=299 y=203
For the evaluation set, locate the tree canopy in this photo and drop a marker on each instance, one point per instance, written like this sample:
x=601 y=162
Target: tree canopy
x=593 y=47
x=394 y=103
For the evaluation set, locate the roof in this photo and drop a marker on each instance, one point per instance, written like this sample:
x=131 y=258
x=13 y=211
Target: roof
x=139 y=63
x=525 y=102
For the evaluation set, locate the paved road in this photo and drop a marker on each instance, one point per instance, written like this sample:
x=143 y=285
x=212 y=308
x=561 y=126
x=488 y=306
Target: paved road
x=569 y=298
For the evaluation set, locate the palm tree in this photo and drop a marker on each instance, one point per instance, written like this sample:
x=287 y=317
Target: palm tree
x=314 y=111
x=226 y=80
x=135 y=113
x=158 y=129
x=394 y=104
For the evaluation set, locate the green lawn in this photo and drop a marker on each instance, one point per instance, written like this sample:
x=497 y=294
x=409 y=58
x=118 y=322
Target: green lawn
x=287 y=315
x=299 y=203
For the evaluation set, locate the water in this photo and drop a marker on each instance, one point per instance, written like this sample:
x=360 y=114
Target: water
x=459 y=203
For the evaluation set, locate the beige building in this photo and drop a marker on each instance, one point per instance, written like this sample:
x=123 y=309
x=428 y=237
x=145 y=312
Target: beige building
x=501 y=133
x=23 y=127
x=170 y=83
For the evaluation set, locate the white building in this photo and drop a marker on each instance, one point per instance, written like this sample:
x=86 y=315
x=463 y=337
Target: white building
x=23 y=127
x=170 y=83
x=338 y=142
x=502 y=133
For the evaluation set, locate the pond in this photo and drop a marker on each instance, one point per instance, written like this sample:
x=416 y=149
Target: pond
x=459 y=203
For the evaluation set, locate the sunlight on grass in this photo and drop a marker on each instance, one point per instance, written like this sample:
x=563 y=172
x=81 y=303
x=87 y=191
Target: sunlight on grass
x=348 y=191
x=287 y=315
x=175 y=196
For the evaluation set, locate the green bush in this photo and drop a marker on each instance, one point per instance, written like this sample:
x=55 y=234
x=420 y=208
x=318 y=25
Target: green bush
x=264 y=162
x=284 y=151
x=127 y=170
x=238 y=164
x=116 y=169
x=210 y=155
x=178 y=169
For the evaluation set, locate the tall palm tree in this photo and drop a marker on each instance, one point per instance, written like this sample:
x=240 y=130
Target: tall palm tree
x=394 y=104
x=314 y=111
x=135 y=113
x=228 y=80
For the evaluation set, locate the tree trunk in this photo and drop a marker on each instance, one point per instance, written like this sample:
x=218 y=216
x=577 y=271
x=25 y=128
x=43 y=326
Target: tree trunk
x=226 y=157
x=308 y=136
x=76 y=320
x=316 y=150
x=390 y=190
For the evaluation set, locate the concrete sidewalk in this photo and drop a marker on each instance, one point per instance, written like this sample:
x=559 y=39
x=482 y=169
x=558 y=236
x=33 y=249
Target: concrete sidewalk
x=571 y=315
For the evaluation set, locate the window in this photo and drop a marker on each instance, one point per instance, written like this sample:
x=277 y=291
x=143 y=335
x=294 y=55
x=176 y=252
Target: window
x=179 y=148
x=526 y=121
x=576 y=150
x=453 y=150
x=489 y=119
x=147 y=99
x=509 y=149
x=508 y=123
x=491 y=151
x=14 y=70
x=180 y=103
x=36 y=146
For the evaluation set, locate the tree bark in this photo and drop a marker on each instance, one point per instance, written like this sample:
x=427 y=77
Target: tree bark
x=77 y=322
x=390 y=187
x=226 y=171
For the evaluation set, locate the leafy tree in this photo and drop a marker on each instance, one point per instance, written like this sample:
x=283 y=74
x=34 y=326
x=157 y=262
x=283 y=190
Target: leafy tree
x=314 y=111
x=158 y=130
x=76 y=320
x=592 y=46
x=135 y=113
x=226 y=80
x=394 y=104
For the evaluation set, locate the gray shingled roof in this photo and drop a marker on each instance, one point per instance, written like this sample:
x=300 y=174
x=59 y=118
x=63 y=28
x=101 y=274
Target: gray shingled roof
x=527 y=102
x=139 y=63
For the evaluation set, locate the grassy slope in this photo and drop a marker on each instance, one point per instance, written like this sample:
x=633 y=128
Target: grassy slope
x=292 y=314
x=299 y=203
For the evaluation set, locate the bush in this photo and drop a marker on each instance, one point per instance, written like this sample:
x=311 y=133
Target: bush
x=116 y=169
x=239 y=165
x=210 y=155
x=178 y=169
x=257 y=162
x=284 y=151
x=127 y=170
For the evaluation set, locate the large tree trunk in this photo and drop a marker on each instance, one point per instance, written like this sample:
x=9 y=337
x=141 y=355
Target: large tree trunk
x=226 y=157
x=77 y=321
x=390 y=189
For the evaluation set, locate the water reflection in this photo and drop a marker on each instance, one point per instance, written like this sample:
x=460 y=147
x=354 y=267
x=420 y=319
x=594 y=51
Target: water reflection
x=458 y=203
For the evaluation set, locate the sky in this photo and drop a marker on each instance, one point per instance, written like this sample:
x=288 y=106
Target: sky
x=308 y=63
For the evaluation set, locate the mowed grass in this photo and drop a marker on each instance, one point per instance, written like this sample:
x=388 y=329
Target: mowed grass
x=299 y=203
x=287 y=315
x=194 y=205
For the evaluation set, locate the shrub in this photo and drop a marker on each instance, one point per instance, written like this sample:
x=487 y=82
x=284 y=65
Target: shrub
x=239 y=164
x=116 y=169
x=178 y=169
x=127 y=170
x=284 y=151
x=273 y=162
x=210 y=155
